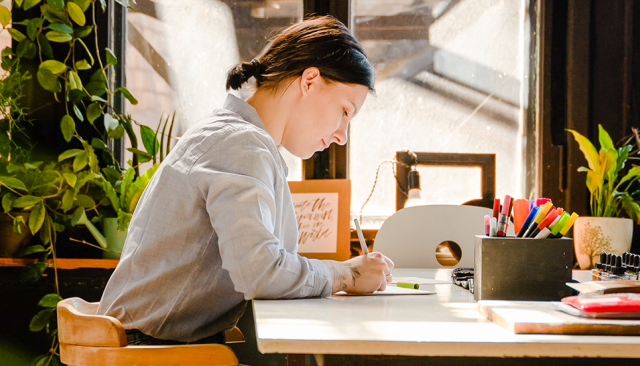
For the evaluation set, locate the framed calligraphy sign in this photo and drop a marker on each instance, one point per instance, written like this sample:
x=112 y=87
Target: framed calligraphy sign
x=323 y=212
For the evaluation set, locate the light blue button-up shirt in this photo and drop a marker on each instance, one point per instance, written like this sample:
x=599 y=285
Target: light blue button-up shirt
x=215 y=227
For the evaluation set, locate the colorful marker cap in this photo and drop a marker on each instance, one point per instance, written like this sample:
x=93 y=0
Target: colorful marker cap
x=542 y=213
x=555 y=228
x=569 y=223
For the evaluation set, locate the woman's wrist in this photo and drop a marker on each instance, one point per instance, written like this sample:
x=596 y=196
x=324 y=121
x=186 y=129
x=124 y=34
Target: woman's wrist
x=344 y=276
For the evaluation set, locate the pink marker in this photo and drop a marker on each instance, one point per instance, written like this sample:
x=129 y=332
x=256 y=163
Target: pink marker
x=487 y=224
x=541 y=201
x=504 y=216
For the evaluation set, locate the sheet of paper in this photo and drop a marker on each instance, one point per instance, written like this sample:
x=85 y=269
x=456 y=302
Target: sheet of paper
x=391 y=290
x=418 y=280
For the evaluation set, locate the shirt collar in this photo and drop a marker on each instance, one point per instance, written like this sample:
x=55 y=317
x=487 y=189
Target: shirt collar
x=244 y=110
x=249 y=114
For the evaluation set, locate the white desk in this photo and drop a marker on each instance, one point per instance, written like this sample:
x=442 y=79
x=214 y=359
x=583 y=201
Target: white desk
x=444 y=324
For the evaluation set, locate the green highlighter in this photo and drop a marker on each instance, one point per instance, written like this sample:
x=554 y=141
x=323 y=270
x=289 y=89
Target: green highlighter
x=408 y=285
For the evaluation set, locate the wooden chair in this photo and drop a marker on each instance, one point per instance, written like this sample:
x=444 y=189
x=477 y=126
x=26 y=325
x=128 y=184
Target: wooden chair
x=410 y=237
x=87 y=339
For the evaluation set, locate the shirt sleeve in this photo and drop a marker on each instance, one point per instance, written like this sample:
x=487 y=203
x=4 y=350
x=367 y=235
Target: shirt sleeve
x=237 y=177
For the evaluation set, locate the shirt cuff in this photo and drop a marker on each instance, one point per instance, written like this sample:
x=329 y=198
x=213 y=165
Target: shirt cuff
x=322 y=285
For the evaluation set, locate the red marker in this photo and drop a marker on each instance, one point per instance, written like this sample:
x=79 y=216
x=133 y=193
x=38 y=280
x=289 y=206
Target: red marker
x=504 y=216
x=496 y=208
x=551 y=216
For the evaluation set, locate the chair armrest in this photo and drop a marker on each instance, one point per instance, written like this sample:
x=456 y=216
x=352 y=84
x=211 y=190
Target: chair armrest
x=234 y=336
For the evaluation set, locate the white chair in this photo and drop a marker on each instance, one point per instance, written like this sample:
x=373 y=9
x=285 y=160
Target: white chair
x=411 y=235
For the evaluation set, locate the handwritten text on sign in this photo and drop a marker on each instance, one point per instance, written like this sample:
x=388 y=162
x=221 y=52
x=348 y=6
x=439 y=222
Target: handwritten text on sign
x=317 y=215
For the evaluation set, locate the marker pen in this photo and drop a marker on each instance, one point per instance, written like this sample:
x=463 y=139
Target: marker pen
x=504 y=216
x=528 y=221
x=546 y=231
x=560 y=210
x=542 y=213
x=496 y=208
x=542 y=200
x=408 y=285
x=568 y=225
x=487 y=225
x=555 y=228
x=520 y=212
x=551 y=216
x=492 y=229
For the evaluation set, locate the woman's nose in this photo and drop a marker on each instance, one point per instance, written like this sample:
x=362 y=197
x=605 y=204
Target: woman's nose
x=340 y=136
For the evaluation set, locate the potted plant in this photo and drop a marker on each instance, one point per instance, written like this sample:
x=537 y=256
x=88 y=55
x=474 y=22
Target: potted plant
x=611 y=196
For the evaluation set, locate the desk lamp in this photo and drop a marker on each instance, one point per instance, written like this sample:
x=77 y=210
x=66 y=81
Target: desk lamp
x=414 y=194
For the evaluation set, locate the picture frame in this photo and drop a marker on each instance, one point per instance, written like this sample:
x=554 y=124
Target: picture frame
x=323 y=213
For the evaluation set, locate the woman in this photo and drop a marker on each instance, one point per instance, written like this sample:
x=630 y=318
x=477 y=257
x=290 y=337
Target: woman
x=216 y=225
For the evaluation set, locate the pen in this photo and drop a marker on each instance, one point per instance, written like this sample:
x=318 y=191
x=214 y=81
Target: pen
x=567 y=226
x=542 y=213
x=502 y=219
x=487 y=225
x=492 y=227
x=496 y=208
x=363 y=244
x=408 y=285
x=528 y=220
x=551 y=216
x=555 y=228
x=546 y=231
x=520 y=212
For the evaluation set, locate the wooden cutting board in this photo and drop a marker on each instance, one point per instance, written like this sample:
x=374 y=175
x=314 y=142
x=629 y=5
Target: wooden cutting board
x=542 y=317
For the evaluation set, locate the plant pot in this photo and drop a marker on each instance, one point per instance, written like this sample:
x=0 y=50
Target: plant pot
x=115 y=238
x=594 y=235
x=10 y=242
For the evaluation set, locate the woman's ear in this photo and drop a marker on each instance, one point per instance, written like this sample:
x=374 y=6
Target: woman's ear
x=310 y=78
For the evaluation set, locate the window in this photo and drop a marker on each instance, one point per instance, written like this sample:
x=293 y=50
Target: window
x=452 y=76
x=178 y=55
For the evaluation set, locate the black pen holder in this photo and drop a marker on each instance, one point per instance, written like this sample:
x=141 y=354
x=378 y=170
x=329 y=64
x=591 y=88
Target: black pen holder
x=508 y=268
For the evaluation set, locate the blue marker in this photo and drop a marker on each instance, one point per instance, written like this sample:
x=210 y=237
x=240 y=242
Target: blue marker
x=527 y=221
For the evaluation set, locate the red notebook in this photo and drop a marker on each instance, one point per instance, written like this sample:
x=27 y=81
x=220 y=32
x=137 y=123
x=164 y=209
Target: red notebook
x=620 y=305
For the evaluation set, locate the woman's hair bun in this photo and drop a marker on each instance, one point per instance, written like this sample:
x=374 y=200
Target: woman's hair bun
x=241 y=73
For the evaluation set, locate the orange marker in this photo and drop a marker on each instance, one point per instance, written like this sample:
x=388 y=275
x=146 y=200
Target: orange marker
x=520 y=212
x=496 y=208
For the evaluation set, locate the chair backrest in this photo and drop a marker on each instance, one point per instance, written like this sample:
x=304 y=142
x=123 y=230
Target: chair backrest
x=79 y=325
x=411 y=235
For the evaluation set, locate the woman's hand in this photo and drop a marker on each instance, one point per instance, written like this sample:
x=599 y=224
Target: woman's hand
x=361 y=274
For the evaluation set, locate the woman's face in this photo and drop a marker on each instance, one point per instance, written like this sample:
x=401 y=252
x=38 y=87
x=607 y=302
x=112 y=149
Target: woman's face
x=321 y=113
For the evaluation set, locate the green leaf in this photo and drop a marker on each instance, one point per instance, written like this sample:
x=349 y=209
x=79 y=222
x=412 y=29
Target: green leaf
x=59 y=37
x=40 y=320
x=26 y=201
x=67 y=200
x=149 y=140
x=83 y=31
x=32 y=272
x=68 y=127
x=16 y=224
x=632 y=174
x=56 y=4
x=605 y=139
x=632 y=209
x=127 y=95
x=49 y=81
x=589 y=151
x=69 y=154
x=50 y=301
x=94 y=111
x=83 y=4
x=111 y=57
x=98 y=144
x=88 y=53
x=75 y=96
x=76 y=14
x=27 y=49
x=608 y=162
x=36 y=218
x=13 y=183
x=143 y=157
x=32 y=28
x=31 y=249
x=28 y=4
x=80 y=161
x=45 y=46
x=95 y=98
x=7 y=201
x=84 y=201
x=56 y=67
x=74 y=80
x=5 y=16
x=70 y=178
x=111 y=174
x=61 y=27
x=16 y=35
x=117 y=133
x=18 y=2
x=82 y=65
x=76 y=110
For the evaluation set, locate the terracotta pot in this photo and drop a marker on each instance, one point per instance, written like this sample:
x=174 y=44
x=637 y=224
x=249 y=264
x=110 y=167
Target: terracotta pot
x=10 y=242
x=593 y=235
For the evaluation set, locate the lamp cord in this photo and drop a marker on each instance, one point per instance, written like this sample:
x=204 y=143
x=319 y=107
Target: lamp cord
x=375 y=181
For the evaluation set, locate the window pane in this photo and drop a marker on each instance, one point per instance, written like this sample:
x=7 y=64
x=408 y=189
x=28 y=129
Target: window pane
x=178 y=55
x=452 y=76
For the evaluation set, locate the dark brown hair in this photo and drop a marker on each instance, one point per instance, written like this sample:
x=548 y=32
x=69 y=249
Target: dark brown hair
x=322 y=42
